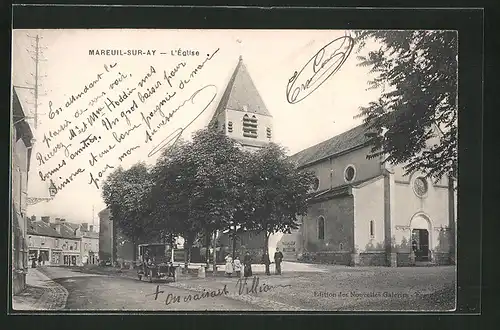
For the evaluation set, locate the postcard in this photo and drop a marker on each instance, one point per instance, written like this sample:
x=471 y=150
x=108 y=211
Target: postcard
x=234 y=170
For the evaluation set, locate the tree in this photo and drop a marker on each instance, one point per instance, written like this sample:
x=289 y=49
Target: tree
x=197 y=185
x=279 y=192
x=417 y=110
x=174 y=181
x=126 y=193
x=218 y=163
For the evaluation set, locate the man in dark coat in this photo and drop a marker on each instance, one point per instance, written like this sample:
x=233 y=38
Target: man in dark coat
x=247 y=262
x=278 y=257
x=266 y=261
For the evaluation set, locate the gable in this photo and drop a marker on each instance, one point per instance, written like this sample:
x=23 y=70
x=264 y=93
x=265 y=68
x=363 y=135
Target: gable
x=241 y=94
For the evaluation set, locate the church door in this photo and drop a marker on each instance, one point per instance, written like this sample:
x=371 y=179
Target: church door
x=420 y=244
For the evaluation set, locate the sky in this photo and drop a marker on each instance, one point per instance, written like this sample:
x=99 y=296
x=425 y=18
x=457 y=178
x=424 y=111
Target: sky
x=66 y=69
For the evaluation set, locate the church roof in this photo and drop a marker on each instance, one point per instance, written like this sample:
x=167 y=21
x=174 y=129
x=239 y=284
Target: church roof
x=338 y=144
x=241 y=92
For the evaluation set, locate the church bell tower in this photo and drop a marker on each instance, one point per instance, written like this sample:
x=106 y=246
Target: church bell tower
x=241 y=112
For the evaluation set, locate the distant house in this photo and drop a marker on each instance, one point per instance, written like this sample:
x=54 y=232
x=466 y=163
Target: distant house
x=56 y=243
x=113 y=244
x=90 y=243
x=60 y=242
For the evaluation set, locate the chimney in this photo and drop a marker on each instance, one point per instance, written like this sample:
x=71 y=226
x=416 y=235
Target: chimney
x=91 y=228
x=63 y=220
x=58 y=227
x=46 y=219
x=33 y=218
x=57 y=220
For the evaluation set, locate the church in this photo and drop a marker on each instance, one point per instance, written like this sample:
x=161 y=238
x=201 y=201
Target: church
x=362 y=211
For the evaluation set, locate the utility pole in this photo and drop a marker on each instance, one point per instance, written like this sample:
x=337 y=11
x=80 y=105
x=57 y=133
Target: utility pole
x=36 y=56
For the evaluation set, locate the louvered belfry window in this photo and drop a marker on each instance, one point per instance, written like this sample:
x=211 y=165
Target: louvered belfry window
x=250 y=126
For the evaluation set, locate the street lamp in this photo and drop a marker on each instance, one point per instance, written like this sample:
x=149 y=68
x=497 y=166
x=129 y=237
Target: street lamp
x=52 y=193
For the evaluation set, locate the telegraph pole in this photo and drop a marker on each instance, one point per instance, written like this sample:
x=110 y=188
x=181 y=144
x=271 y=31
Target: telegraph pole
x=36 y=79
x=36 y=56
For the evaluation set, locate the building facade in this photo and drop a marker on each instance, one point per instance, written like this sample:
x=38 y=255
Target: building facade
x=53 y=243
x=113 y=245
x=21 y=145
x=364 y=212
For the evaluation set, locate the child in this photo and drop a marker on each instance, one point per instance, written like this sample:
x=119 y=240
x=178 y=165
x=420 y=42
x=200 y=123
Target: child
x=237 y=266
x=229 y=265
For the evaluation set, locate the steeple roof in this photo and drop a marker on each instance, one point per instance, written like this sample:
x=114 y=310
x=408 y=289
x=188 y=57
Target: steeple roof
x=241 y=93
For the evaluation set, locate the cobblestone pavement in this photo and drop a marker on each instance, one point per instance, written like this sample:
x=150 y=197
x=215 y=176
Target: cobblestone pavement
x=347 y=289
x=330 y=288
x=103 y=292
x=41 y=293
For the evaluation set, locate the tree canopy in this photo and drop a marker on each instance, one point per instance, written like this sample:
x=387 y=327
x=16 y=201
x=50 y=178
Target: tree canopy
x=415 y=117
x=205 y=185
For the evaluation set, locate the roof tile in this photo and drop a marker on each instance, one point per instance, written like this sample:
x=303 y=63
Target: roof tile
x=350 y=139
x=241 y=93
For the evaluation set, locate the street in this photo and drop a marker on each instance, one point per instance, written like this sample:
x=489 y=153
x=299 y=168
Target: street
x=101 y=292
x=302 y=287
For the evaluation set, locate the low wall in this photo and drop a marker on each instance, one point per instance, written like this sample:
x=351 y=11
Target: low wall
x=403 y=259
x=336 y=258
x=373 y=259
x=441 y=258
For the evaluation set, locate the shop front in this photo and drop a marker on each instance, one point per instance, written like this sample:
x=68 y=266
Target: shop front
x=56 y=257
x=71 y=259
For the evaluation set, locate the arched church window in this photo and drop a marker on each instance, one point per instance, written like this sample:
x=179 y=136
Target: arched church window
x=321 y=227
x=250 y=126
x=349 y=173
x=230 y=127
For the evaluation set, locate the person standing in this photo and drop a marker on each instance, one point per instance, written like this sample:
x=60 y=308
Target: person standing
x=278 y=257
x=237 y=266
x=40 y=258
x=247 y=262
x=266 y=261
x=229 y=265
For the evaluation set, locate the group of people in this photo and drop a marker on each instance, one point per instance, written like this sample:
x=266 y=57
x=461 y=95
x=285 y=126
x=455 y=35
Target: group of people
x=237 y=266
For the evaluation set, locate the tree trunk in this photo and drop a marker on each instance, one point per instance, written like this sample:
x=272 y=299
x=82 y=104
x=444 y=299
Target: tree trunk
x=187 y=250
x=207 y=246
x=234 y=241
x=134 y=246
x=266 y=250
x=215 y=253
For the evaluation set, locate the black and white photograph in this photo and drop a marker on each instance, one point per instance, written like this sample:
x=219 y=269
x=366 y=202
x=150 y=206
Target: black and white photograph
x=234 y=170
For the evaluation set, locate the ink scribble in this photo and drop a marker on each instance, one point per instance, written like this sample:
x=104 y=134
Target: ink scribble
x=173 y=137
x=326 y=62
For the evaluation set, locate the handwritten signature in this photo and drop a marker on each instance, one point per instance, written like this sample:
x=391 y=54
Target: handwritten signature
x=242 y=286
x=326 y=62
x=197 y=96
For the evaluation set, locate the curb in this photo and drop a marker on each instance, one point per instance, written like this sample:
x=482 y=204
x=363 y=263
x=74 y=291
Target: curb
x=53 y=298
